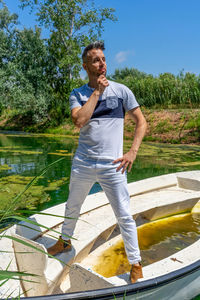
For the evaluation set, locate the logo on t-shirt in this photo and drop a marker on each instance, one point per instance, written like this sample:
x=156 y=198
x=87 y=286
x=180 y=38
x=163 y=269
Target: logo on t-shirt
x=111 y=102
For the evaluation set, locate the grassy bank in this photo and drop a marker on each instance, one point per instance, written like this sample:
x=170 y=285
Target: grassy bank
x=164 y=125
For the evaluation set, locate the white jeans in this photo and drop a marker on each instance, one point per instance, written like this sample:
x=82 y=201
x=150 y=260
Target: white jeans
x=85 y=172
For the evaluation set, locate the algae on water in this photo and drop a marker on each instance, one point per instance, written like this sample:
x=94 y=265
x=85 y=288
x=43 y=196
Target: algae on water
x=4 y=167
x=11 y=186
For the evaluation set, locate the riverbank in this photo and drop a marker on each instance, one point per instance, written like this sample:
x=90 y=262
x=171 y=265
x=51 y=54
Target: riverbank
x=175 y=126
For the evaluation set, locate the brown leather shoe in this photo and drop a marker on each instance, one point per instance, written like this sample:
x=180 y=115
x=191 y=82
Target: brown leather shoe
x=136 y=273
x=60 y=246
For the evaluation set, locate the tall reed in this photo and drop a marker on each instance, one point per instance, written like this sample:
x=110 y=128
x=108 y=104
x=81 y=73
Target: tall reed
x=166 y=90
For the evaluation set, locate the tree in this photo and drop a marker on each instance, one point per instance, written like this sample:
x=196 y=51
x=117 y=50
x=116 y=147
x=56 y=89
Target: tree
x=8 y=24
x=72 y=25
x=121 y=74
x=23 y=77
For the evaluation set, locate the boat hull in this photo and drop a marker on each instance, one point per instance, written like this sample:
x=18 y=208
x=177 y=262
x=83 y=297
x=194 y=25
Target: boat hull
x=183 y=284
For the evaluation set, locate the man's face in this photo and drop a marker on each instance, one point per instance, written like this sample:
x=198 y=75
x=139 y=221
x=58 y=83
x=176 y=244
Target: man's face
x=95 y=64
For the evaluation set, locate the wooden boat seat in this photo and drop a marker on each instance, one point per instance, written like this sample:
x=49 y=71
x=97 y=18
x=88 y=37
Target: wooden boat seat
x=83 y=279
x=189 y=182
x=32 y=257
x=36 y=261
x=31 y=260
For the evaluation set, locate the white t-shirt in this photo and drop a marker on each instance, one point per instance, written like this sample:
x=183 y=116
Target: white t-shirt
x=102 y=136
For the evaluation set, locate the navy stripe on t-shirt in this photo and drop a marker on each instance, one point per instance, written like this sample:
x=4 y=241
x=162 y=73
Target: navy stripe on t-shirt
x=109 y=108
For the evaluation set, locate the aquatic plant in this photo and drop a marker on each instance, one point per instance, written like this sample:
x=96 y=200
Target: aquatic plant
x=6 y=274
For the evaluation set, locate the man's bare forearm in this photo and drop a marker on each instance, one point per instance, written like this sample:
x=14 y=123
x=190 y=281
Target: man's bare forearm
x=126 y=161
x=140 y=131
x=84 y=114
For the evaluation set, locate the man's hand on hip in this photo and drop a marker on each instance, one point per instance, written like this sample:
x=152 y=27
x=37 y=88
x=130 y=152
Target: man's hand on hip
x=102 y=84
x=126 y=161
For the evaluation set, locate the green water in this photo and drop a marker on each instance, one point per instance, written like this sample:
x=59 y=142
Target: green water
x=23 y=156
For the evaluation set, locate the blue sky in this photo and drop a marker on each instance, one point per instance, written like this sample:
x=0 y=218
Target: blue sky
x=154 y=36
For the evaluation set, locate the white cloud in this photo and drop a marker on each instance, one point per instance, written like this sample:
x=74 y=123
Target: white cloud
x=122 y=56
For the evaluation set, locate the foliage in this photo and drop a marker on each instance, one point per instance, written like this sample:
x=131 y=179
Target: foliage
x=23 y=59
x=166 y=89
x=120 y=74
x=37 y=75
x=73 y=24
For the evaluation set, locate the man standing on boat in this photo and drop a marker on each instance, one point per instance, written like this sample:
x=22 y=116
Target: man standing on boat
x=98 y=109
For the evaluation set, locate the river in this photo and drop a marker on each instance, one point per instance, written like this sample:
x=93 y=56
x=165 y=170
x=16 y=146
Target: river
x=23 y=156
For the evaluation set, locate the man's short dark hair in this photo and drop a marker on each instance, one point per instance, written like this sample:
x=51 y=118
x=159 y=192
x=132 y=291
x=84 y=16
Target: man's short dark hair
x=94 y=45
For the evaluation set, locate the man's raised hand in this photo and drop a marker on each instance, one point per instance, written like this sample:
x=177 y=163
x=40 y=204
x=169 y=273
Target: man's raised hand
x=102 y=83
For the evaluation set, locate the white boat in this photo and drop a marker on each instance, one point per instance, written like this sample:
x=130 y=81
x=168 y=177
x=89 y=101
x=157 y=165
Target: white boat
x=70 y=276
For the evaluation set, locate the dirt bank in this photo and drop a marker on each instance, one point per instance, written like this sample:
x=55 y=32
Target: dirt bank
x=164 y=125
x=170 y=126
